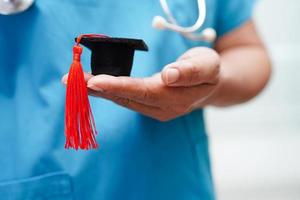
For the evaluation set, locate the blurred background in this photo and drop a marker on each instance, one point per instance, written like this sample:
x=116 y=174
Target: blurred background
x=255 y=148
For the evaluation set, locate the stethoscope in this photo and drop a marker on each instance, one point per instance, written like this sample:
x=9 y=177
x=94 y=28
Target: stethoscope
x=208 y=34
x=8 y=7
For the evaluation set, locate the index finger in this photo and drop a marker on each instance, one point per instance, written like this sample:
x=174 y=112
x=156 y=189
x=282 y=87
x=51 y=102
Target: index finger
x=127 y=87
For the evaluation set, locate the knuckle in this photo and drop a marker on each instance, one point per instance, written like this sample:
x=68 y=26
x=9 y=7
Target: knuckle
x=216 y=70
x=147 y=93
x=193 y=72
x=213 y=76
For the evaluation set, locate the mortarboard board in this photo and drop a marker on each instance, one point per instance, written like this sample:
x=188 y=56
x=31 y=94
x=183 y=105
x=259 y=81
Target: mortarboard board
x=112 y=56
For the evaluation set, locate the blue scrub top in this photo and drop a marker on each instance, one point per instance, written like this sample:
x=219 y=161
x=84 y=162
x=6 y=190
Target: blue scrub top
x=139 y=157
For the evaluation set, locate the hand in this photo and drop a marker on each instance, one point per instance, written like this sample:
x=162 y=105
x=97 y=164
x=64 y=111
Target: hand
x=181 y=87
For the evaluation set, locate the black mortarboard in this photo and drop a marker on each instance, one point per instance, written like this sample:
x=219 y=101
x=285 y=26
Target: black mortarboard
x=113 y=56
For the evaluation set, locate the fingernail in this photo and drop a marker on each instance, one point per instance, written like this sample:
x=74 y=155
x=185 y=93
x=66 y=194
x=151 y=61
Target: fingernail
x=172 y=75
x=94 y=87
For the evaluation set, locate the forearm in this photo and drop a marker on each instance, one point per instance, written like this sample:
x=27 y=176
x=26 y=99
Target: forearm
x=244 y=72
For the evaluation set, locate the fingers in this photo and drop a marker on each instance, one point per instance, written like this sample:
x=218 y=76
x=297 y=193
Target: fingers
x=87 y=76
x=126 y=87
x=196 y=66
x=146 y=110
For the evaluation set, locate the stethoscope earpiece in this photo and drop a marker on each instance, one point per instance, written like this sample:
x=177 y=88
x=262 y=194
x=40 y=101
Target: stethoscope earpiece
x=208 y=34
x=159 y=22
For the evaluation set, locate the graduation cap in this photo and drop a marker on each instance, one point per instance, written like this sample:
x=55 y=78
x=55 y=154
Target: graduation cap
x=113 y=56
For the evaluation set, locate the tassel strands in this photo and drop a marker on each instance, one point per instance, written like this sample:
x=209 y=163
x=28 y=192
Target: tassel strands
x=80 y=129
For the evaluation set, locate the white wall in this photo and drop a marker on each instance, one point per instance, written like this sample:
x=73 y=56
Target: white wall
x=255 y=147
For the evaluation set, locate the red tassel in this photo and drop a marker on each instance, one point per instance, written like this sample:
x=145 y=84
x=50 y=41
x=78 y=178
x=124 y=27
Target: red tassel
x=80 y=127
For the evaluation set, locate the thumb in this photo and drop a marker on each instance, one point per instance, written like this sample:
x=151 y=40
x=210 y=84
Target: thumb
x=191 y=71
